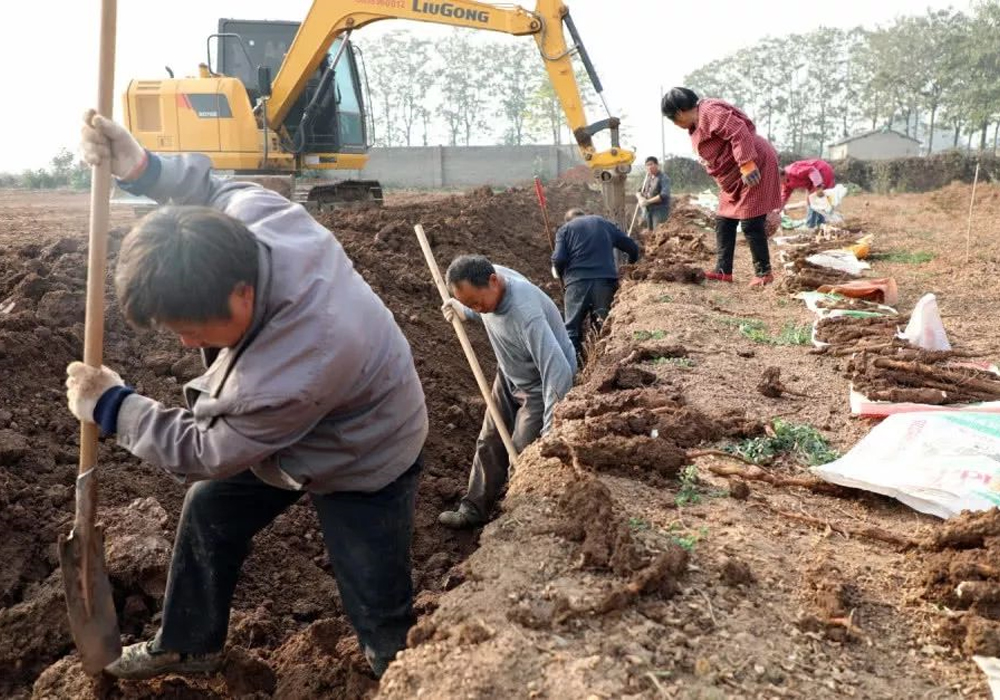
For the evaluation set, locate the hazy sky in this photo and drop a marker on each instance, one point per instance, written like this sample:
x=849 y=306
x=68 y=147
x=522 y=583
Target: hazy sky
x=49 y=49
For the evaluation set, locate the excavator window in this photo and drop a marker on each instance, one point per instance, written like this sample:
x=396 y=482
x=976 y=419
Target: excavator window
x=339 y=126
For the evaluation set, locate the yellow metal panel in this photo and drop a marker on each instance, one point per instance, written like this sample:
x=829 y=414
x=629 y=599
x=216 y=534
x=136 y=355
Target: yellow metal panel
x=335 y=161
x=196 y=133
x=239 y=133
x=328 y=19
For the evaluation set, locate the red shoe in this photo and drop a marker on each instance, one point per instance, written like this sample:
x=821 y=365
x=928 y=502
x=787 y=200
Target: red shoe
x=762 y=280
x=718 y=276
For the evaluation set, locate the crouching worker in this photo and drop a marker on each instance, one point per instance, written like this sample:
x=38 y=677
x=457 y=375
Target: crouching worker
x=535 y=368
x=311 y=389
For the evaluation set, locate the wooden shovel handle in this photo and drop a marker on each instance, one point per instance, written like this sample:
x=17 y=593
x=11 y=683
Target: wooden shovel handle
x=470 y=353
x=100 y=196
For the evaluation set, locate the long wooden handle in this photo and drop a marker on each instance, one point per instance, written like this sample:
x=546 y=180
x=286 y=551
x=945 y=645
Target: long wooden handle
x=470 y=353
x=100 y=195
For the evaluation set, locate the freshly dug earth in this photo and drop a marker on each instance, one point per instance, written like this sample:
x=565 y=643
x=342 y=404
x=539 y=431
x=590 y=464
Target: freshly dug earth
x=788 y=591
x=288 y=632
x=579 y=587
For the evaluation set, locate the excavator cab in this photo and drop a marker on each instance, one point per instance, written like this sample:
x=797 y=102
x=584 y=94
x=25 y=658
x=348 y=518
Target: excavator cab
x=336 y=122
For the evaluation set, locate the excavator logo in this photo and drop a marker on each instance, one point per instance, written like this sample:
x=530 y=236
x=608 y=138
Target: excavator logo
x=447 y=9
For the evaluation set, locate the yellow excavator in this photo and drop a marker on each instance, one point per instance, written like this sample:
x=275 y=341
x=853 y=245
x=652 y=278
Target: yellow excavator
x=313 y=114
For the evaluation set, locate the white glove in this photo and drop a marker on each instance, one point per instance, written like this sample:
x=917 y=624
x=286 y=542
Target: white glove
x=453 y=309
x=101 y=138
x=639 y=198
x=85 y=385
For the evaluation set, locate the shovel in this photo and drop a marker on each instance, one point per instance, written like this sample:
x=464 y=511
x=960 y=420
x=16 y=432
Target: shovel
x=470 y=353
x=92 y=618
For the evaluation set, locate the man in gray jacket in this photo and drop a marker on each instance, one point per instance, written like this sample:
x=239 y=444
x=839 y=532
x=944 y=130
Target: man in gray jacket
x=311 y=388
x=535 y=367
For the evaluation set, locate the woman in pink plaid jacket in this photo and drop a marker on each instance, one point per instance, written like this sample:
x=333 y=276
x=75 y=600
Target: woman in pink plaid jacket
x=744 y=164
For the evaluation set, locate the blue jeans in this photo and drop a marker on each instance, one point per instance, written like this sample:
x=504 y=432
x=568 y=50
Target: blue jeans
x=814 y=219
x=367 y=536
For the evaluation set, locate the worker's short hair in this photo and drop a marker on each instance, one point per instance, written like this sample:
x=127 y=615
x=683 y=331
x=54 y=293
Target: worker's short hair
x=574 y=213
x=473 y=269
x=181 y=263
x=678 y=99
x=652 y=159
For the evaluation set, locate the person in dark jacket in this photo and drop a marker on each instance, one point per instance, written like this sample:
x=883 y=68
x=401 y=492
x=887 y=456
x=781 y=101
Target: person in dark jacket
x=585 y=261
x=311 y=389
x=654 y=197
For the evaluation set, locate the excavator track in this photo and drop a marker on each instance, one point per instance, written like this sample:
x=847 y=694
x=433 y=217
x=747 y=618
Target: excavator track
x=338 y=195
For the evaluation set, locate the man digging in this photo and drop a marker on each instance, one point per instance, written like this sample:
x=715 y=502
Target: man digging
x=311 y=387
x=584 y=257
x=536 y=363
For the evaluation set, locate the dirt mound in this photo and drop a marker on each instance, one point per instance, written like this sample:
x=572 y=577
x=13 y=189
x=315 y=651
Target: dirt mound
x=962 y=572
x=42 y=283
x=674 y=251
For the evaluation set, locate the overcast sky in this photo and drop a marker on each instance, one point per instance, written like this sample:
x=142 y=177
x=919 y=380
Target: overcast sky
x=49 y=50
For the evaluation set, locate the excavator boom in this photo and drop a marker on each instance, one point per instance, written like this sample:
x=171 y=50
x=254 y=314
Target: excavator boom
x=277 y=134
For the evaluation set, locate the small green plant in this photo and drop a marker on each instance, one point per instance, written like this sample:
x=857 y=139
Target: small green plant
x=665 y=299
x=907 y=258
x=803 y=442
x=649 y=335
x=756 y=330
x=683 y=362
x=686 y=539
x=688 y=493
x=637 y=524
x=792 y=334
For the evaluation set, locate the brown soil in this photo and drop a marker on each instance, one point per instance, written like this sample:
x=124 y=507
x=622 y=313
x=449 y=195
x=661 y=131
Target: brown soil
x=617 y=568
x=286 y=590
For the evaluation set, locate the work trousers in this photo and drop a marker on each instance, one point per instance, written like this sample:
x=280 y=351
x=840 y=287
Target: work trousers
x=367 y=536
x=523 y=415
x=587 y=303
x=654 y=216
x=725 y=240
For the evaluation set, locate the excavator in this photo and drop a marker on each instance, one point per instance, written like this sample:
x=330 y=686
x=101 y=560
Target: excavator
x=313 y=114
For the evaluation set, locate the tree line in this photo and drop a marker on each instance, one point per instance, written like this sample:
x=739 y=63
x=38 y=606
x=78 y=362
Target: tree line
x=936 y=71
x=482 y=92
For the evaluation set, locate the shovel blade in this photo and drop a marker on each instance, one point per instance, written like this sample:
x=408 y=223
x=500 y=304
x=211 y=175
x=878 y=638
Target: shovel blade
x=92 y=617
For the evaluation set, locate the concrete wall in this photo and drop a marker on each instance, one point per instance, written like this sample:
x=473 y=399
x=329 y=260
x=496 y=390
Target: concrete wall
x=465 y=166
x=881 y=146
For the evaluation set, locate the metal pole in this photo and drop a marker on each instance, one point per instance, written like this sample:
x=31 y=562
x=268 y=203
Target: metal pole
x=968 y=231
x=663 y=135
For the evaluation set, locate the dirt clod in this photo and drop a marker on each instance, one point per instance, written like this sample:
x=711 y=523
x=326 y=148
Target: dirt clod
x=735 y=572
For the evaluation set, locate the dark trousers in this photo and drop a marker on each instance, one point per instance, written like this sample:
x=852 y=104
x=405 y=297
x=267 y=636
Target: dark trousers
x=367 y=536
x=523 y=415
x=725 y=240
x=587 y=304
x=654 y=216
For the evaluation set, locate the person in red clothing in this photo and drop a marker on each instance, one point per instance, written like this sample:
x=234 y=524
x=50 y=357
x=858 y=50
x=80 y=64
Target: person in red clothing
x=810 y=175
x=744 y=164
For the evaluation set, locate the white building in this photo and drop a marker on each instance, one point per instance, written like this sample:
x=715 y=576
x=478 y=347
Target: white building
x=875 y=145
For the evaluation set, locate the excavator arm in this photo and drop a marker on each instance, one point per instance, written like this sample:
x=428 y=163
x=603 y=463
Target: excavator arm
x=329 y=19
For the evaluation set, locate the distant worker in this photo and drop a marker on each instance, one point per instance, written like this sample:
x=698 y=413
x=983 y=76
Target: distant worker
x=814 y=176
x=745 y=166
x=535 y=368
x=654 y=197
x=584 y=258
x=311 y=388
